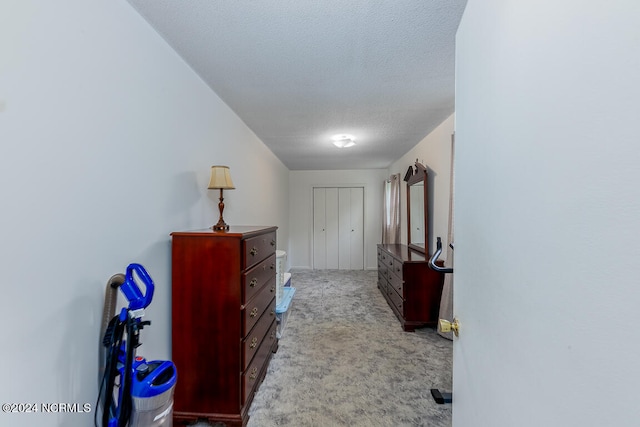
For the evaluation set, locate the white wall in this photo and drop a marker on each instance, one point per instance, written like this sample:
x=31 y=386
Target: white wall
x=301 y=185
x=434 y=152
x=106 y=139
x=547 y=214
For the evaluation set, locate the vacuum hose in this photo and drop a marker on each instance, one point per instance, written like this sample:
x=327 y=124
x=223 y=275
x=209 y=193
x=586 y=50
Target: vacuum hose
x=108 y=311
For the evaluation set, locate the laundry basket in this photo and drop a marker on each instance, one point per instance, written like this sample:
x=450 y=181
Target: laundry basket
x=281 y=260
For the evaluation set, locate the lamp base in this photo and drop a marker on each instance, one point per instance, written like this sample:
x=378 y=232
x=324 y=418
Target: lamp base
x=220 y=226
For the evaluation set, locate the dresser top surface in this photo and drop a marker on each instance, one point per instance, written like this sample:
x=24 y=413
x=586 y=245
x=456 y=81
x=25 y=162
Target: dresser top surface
x=234 y=231
x=403 y=252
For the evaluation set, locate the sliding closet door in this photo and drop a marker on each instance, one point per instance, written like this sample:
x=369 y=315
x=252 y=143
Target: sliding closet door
x=350 y=211
x=332 y=234
x=319 y=228
x=325 y=228
x=338 y=236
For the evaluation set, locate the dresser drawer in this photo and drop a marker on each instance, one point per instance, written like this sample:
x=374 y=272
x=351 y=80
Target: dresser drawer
x=251 y=376
x=385 y=258
x=382 y=283
x=397 y=300
x=251 y=343
x=257 y=248
x=382 y=268
x=392 y=263
x=396 y=283
x=396 y=268
x=264 y=302
x=382 y=278
x=256 y=277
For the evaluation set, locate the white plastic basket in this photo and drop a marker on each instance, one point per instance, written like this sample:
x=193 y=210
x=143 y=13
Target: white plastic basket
x=281 y=260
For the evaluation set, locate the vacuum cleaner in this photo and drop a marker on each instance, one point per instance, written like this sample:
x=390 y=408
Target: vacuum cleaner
x=133 y=392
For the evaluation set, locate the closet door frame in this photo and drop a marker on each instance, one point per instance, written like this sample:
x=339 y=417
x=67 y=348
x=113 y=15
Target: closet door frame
x=357 y=252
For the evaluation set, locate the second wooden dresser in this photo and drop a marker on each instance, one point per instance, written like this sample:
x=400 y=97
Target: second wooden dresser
x=223 y=320
x=411 y=288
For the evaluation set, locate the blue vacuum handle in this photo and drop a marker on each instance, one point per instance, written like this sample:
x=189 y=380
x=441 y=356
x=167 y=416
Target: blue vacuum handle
x=132 y=291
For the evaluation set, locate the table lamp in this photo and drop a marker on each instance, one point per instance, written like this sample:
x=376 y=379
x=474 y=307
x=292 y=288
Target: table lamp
x=220 y=179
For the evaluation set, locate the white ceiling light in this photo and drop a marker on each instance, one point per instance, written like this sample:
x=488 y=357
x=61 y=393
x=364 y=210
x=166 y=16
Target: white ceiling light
x=343 y=140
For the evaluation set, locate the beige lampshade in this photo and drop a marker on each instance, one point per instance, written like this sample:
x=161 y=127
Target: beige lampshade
x=220 y=178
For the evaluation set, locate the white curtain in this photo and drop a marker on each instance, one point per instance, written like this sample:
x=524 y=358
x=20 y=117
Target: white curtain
x=391 y=214
x=446 y=302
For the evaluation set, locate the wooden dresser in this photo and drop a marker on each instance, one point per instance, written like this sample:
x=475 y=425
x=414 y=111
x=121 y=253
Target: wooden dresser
x=410 y=287
x=223 y=321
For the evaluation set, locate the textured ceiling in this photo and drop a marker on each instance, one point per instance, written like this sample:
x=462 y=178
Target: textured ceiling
x=299 y=71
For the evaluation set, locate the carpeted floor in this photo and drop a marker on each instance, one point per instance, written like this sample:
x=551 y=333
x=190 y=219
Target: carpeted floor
x=344 y=360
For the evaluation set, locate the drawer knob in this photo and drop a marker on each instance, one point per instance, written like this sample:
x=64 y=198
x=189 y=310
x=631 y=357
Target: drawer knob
x=273 y=242
x=253 y=251
x=254 y=312
x=254 y=374
x=273 y=266
x=273 y=289
x=254 y=342
x=253 y=282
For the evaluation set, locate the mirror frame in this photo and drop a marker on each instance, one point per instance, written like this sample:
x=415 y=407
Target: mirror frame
x=416 y=174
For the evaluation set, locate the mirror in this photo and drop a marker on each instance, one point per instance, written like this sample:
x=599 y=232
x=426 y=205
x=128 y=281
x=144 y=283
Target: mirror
x=417 y=235
x=417 y=211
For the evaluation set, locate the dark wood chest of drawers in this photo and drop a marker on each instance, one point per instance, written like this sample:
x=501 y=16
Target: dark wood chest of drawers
x=410 y=287
x=223 y=320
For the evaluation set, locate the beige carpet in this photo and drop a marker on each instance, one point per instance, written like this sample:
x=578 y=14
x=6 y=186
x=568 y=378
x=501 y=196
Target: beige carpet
x=344 y=360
